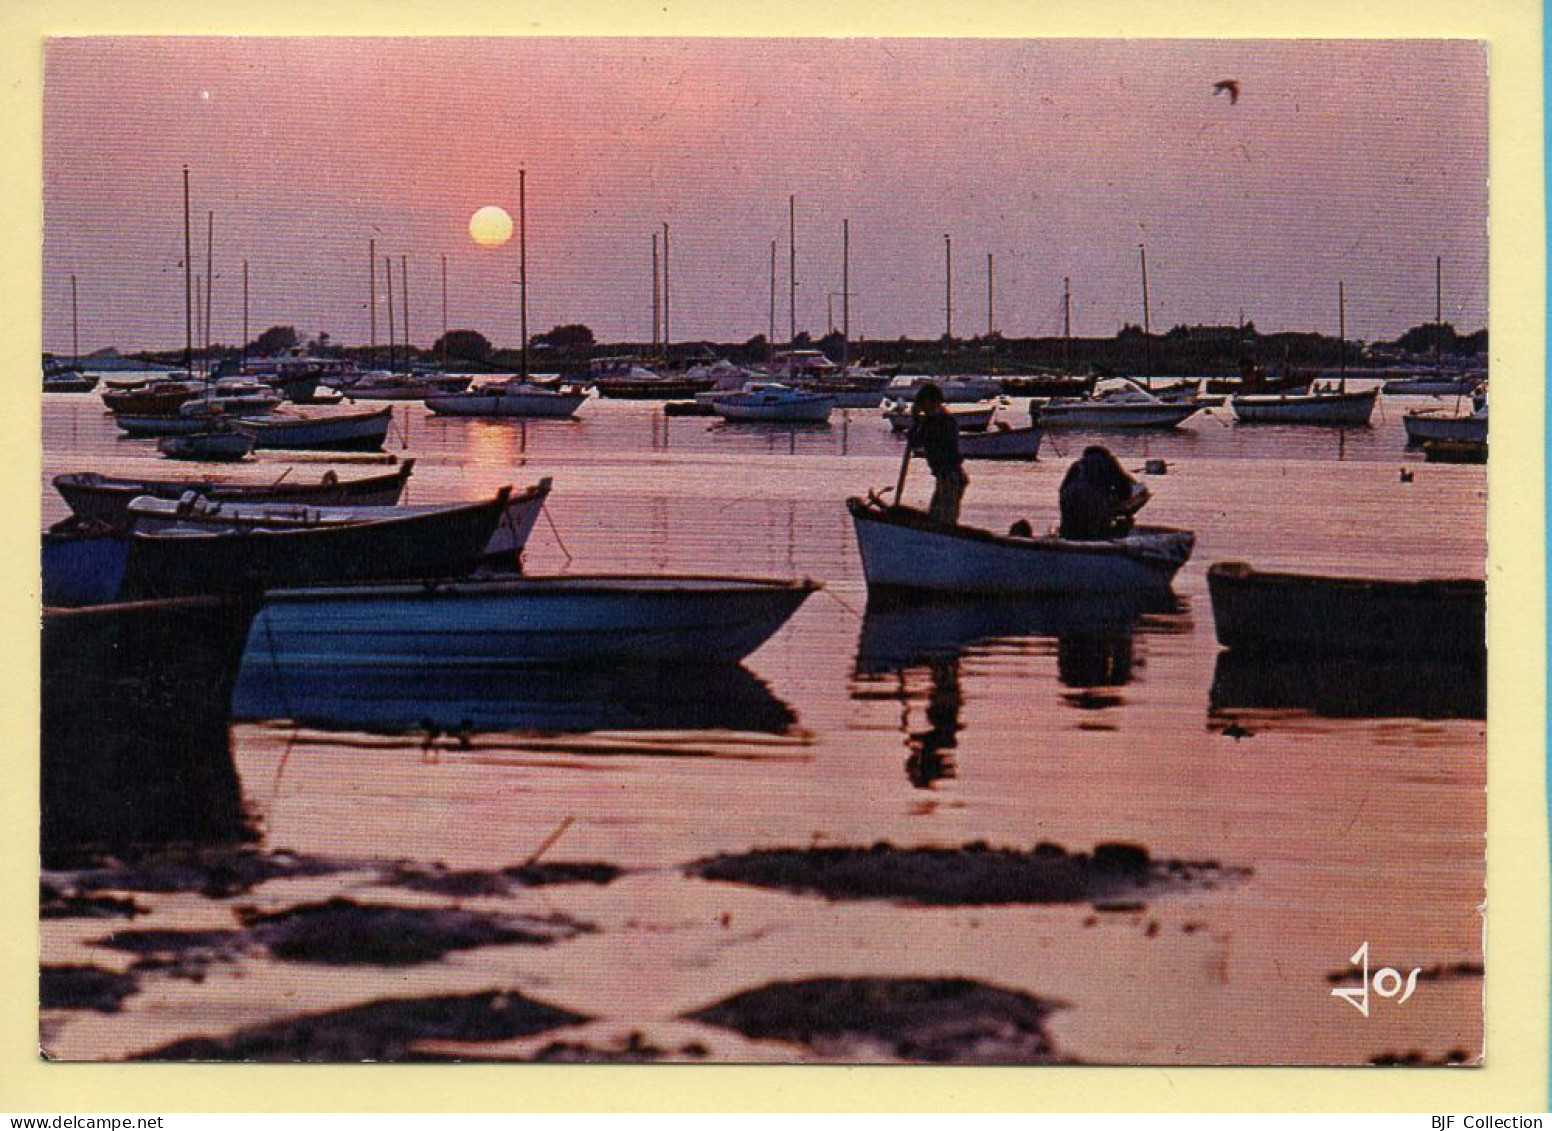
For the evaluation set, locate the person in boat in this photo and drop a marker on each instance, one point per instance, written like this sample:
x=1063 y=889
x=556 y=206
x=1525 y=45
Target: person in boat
x=935 y=433
x=1098 y=498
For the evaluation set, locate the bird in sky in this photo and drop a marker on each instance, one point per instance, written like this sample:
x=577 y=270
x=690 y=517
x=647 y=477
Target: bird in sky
x=1230 y=85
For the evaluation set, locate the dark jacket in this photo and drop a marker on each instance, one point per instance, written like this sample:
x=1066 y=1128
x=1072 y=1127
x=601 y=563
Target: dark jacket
x=1093 y=495
x=936 y=435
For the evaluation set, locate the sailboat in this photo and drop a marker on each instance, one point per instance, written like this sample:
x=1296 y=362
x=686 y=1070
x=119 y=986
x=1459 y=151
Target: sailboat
x=1436 y=384
x=1318 y=406
x=69 y=378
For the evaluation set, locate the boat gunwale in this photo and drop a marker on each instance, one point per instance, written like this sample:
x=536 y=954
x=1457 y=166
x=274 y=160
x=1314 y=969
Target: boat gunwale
x=548 y=585
x=1245 y=575
x=456 y=510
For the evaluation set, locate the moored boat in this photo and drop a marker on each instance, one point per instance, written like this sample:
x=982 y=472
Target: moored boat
x=1435 y=424
x=105 y=499
x=905 y=550
x=323 y=431
x=1317 y=407
x=1001 y=442
x=1258 y=610
x=405 y=386
x=1431 y=386
x=768 y=402
x=1455 y=451
x=528 y=621
x=516 y=398
x=1116 y=403
x=969 y=417
x=506 y=543
x=215 y=445
x=68 y=381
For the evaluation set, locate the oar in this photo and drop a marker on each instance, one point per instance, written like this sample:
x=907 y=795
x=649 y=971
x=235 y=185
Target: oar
x=905 y=465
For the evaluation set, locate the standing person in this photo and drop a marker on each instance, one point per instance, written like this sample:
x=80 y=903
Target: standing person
x=936 y=433
x=1098 y=498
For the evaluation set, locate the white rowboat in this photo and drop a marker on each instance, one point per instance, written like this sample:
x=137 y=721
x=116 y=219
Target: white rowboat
x=1341 y=409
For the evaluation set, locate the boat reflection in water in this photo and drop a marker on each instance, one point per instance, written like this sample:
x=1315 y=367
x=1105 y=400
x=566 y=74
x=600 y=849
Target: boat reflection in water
x=1374 y=686
x=135 y=744
x=465 y=699
x=1093 y=637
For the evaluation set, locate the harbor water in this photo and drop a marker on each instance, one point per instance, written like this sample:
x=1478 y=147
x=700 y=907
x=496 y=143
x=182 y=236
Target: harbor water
x=1342 y=811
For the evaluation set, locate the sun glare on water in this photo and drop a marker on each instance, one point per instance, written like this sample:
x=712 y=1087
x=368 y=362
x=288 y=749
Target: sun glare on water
x=490 y=226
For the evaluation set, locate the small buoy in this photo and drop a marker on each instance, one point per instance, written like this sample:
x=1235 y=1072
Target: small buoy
x=1406 y=476
x=1155 y=467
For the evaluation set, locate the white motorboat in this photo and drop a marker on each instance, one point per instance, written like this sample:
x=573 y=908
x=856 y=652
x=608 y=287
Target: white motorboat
x=1116 y=403
x=515 y=397
x=527 y=621
x=904 y=550
x=769 y=402
x=955 y=390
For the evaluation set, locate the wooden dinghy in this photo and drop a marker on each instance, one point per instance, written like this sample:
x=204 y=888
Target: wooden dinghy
x=105 y=499
x=1254 y=610
x=905 y=550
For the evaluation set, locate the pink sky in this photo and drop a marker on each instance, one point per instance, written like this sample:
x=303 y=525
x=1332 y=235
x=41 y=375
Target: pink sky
x=1342 y=161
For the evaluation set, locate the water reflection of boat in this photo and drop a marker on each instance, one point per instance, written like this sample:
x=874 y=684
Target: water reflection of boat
x=136 y=701
x=898 y=635
x=482 y=697
x=1350 y=687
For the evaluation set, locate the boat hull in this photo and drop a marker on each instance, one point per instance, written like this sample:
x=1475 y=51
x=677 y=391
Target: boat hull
x=968 y=419
x=448 y=542
x=98 y=498
x=1424 y=426
x=647 y=389
x=350 y=432
x=1001 y=443
x=791 y=410
x=520 y=622
x=1431 y=387
x=905 y=551
x=218 y=447
x=539 y=406
x=1288 y=612
x=1102 y=416
x=1339 y=409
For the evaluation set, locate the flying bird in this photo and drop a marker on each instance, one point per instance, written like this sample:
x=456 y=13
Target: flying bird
x=1230 y=85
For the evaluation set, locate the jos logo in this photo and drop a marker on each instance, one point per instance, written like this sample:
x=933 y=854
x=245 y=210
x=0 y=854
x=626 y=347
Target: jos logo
x=1386 y=982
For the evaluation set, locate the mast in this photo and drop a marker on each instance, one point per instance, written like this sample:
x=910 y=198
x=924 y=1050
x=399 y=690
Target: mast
x=1147 y=329
x=948 y=287
x=792 y=272
x=845 y=292
x=199 y=313
x=188 y=281
x=1438 y=310
x=770 y=340
x=988 y=295
x=657 y=297
x=404 y=310
x=75 y=328
x=210 y=280
x=444 y=310
x=1341 y=334
x=245 y=316
x=371 y=305
x=522 y=258
x=388 y=270
x=665 y=292
x=1066 y=324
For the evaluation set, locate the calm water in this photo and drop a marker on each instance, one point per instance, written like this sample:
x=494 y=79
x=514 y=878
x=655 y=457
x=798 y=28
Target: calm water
x=943 y=727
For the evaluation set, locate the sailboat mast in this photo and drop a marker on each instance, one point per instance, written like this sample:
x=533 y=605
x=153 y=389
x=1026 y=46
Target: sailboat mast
x=1438 y=310
x=388 y=271
x=792 y=272
x=404 y=310
x=522 y=260
x=245 y=316
x=75 y=328
x=1341 y=334
x=845 y=292
x=210 y=279
x=371 y=304
x=199 y=313
x=657 y=297
x=665 y=291
x=188 y=281
x=770 y=340
x=989 y=276
x=948 y=287
x=1147 y=328
x=444 y=310
x=1066 y=323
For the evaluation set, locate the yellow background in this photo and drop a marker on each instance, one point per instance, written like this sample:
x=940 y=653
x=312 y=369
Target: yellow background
x=1515 y=1076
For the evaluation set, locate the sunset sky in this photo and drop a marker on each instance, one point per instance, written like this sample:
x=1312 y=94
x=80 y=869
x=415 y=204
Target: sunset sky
x=1341 y=161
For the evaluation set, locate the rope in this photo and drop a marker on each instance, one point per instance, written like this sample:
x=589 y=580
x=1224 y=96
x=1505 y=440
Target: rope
x=556 y=531
x=834 y=597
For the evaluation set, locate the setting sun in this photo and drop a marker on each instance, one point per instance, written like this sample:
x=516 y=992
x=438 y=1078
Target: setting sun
x=490 y=226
